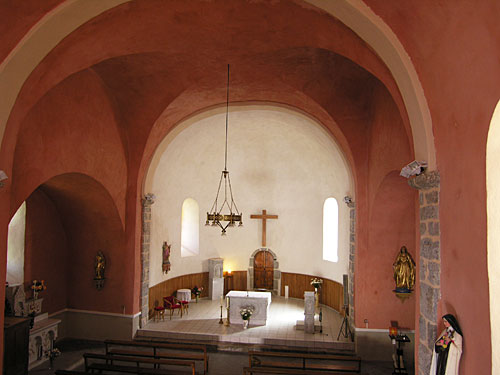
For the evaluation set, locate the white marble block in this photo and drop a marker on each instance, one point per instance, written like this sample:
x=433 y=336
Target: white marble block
x=259 y=302
x=216 y=288
x=215 y=278
x=309 y=312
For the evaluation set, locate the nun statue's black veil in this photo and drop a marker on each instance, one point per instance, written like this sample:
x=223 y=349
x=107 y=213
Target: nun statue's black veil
x=453 y=323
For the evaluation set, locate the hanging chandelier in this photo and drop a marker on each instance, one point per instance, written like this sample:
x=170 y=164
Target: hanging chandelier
x=231 y=215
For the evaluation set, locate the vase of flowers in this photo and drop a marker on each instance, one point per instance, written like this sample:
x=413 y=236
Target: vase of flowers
x=52 y=354
x=316 y=283
x=37 y=287
x=246 y=313
x=197 y=292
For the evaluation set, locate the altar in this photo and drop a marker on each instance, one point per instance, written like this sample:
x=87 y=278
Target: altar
x=259 y=302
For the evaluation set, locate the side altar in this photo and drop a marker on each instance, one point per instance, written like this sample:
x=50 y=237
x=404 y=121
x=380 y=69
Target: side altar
x=259 y=302
x=44 y=330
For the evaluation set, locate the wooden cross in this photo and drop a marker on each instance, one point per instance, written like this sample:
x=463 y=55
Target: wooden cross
x=264 y=217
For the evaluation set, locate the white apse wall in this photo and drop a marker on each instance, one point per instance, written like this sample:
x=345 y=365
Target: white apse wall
x=279 y=160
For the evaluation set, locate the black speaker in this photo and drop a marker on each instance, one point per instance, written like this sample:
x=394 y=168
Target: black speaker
x=345 y=282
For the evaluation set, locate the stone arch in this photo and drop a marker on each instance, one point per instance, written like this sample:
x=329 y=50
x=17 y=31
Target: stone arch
x=277 y=272
x=355 y=14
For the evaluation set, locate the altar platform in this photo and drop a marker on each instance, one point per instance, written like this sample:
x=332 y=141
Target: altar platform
x=202 y=324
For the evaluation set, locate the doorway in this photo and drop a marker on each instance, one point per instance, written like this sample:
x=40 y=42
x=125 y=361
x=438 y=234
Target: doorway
x=263 y=270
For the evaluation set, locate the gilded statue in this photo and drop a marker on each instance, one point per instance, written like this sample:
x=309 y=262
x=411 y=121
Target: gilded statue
x=404 y=271
x=100 y=265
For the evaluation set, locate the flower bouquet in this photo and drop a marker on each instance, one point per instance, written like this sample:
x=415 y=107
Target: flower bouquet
x=52 y=354
x=246 y=313
x=197 y=291
x=316 y=283
x=37 y=287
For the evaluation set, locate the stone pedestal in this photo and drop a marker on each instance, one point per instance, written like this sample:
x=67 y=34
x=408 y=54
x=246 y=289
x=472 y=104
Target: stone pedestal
x=309 y=312
x=216 y=289
x=215 y=278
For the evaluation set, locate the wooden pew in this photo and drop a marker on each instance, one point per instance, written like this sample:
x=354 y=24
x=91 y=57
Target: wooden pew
x=71 y=372
x=287 y=370
x=158 y=350
x=135 y=365
x=304 y=361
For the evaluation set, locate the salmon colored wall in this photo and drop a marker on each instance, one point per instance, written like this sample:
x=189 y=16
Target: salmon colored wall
x=455 y=49
x=91 y=223
x=17 y=17
x=391 y=226
x=72 y=129
x=453 y=45
x=46 y=252
x=385 y=218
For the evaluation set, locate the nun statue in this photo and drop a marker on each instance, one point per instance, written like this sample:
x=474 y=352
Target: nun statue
x=447 y=348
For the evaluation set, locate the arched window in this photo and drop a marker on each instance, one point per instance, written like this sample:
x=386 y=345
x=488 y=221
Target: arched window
x=15 y=246
x=330 y=230
x=190 y=228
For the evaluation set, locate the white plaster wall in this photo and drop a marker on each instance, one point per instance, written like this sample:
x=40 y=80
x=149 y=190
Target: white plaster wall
x=15 y=247
x=493 y=207
x=278 y=160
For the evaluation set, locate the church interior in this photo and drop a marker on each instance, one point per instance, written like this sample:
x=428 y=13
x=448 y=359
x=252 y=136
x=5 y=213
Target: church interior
x=349 y=129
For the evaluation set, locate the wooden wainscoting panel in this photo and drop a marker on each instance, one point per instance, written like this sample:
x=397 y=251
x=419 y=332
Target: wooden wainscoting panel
x=331 y=292
x=236 y=281
x=170 y=286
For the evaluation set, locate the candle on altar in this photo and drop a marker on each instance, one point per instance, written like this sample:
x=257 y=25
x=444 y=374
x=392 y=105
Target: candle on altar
x=221 y=301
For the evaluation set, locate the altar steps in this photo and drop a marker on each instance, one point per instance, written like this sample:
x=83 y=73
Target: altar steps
x=229 y=341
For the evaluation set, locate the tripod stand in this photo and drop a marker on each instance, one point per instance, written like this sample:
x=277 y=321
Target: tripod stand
x=345 y=329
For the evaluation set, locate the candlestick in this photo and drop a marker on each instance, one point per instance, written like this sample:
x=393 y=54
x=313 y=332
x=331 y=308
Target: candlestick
x=227 y=322
x=221 y=301
x=221 y=321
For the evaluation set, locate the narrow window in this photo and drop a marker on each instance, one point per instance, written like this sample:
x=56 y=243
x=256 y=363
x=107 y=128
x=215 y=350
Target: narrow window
x=330 y=230
x=15 y=247
x=190 y=228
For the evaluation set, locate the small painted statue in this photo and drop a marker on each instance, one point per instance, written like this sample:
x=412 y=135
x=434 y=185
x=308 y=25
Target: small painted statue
x=404 y=272
x=100 y=265
x=166 y=257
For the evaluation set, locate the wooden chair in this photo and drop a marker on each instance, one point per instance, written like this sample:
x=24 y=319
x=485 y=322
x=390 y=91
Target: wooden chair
x=171 y=304
x=159 y=311
x=185 y=306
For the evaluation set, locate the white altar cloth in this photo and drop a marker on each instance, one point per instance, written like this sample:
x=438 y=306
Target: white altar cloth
x=259 y=302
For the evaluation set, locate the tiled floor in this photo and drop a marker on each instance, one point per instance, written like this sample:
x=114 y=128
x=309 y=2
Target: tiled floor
x=202 y=323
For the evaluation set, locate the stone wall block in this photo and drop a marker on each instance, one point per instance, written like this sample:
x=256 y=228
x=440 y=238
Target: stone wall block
x=423 y=228
x=423 y=269
x=434 y=274
x=429 y=297
x=424 y=359
x=422 y=328
x=432 y=197
x=431 y=333
x=421 y=198
x=433 y=228
x=429 y=249
x=429 y=212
